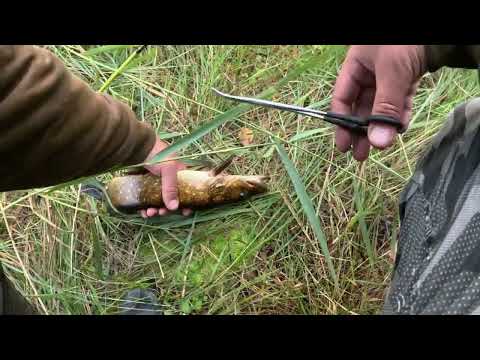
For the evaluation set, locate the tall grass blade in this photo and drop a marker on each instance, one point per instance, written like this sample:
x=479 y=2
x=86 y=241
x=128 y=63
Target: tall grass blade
x=359 y=200
x=308 y=208
x=105 y=49
x=120 y=70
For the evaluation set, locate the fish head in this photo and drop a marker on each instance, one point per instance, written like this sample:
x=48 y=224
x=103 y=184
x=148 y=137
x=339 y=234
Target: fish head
x=232 y=188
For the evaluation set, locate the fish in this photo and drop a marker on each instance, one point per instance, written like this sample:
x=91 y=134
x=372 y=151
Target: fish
x=196 y=190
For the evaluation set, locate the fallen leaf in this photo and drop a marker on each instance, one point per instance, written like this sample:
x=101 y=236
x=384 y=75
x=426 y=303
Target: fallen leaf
x=245 y=136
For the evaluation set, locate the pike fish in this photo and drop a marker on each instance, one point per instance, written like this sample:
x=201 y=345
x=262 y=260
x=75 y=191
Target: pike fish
x=196 y=189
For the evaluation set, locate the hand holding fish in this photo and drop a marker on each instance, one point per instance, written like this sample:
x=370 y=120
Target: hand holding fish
x=168 y=173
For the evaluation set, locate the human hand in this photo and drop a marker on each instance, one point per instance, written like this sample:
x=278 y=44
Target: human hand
x=377 y=80
x=168 y=172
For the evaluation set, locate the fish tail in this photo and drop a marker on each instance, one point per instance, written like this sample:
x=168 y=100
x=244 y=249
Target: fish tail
x=96 y=189
x=93 y=188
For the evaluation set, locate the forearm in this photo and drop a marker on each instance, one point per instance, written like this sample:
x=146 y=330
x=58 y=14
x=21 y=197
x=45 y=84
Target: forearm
x=54 y=128
x=455 y=56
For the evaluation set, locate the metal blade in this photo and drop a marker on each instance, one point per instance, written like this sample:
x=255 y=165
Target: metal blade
x=272 y=104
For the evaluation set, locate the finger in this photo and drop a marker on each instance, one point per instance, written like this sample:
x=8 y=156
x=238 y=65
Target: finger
x=352 y=78
x=363 y=108
x=392 y=90
x=343 y=139
x=187 y=212
x=143 y=213
x=344 y=95
x=361 y=148
x=162 y=211
x=407 y=112
x=181 y=166
x=364 y=104
x=152 y=212
x=408 y=109
x=169 y=186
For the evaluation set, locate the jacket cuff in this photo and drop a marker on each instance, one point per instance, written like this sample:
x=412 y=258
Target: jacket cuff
x=454 y=56
x=437 y=56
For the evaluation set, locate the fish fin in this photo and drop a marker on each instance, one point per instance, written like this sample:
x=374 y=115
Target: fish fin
x=96 y=189
x=219 y=185
x=198 y=164
x=221 y=167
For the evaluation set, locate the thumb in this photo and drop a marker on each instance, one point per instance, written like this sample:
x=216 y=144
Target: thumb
x=390 y=99
x=169 y=186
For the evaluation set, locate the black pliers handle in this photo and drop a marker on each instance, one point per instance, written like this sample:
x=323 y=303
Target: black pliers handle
x=360 y=124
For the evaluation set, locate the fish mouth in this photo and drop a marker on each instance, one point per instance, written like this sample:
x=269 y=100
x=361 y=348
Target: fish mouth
x=259 y=183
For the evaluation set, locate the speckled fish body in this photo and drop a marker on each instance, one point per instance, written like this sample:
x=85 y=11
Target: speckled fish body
x=196 y=189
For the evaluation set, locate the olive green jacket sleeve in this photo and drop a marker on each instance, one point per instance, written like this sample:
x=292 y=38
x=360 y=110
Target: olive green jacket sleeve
x=455 y=56
x=54 y=128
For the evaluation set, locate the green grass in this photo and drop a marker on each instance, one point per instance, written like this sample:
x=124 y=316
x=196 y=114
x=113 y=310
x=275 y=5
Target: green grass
x=265 y=256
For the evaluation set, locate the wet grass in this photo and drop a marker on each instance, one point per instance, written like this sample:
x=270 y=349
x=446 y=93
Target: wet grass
x=68 y=256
